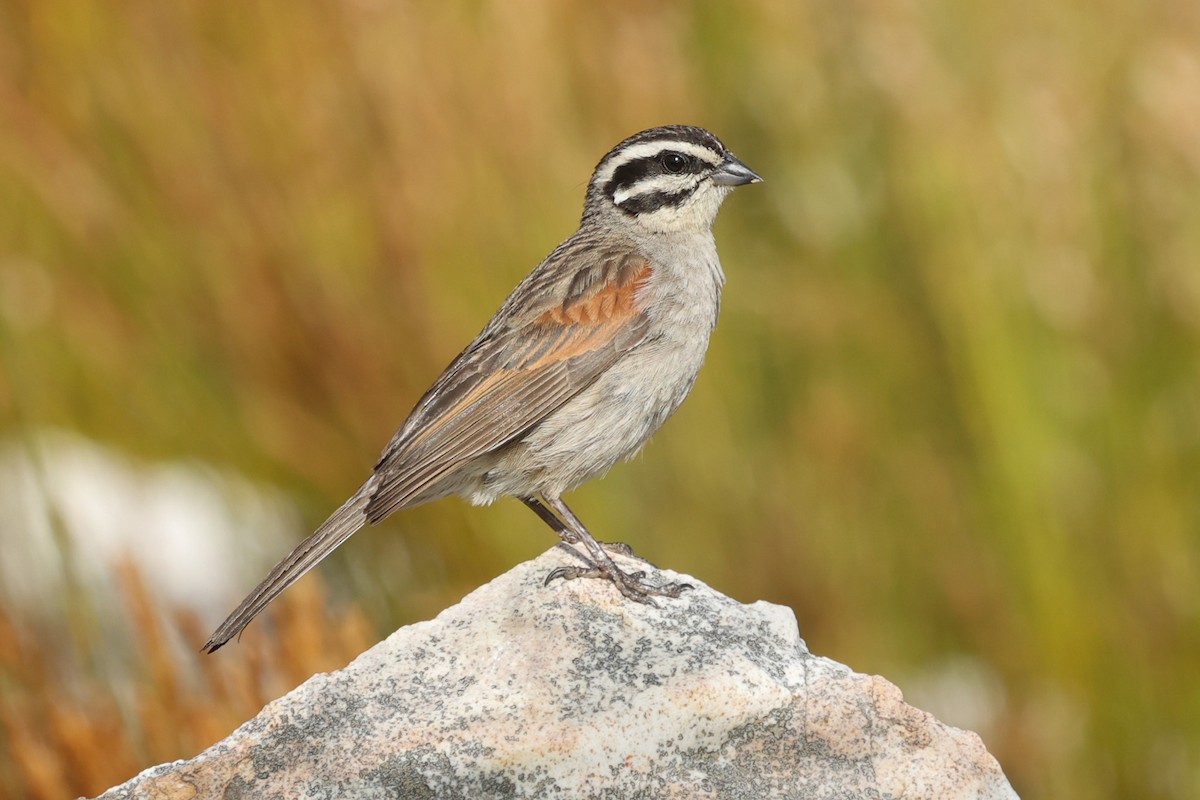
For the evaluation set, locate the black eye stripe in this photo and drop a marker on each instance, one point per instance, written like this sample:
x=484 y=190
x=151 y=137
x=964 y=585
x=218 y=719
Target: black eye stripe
x=630 y=174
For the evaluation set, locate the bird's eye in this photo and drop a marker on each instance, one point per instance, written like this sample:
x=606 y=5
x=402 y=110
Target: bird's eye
x=674 y=163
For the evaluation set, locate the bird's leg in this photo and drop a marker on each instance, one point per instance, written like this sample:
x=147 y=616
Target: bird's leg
x=556 y=524
x=565 y=533
x=631 y=585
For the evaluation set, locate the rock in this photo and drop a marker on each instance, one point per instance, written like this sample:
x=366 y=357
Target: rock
x=571 y=691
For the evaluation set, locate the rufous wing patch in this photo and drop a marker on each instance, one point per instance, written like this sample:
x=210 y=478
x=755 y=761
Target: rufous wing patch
x=611 y=301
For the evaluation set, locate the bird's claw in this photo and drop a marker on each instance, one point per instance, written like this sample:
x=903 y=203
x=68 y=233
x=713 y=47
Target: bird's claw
x=631 y=585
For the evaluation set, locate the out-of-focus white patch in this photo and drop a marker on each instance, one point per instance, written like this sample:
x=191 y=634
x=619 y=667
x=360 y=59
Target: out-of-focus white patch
x=72 y=509
x=961 y=691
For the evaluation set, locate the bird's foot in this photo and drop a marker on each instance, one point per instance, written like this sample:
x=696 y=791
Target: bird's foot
x=630 y=584
x=621 y=549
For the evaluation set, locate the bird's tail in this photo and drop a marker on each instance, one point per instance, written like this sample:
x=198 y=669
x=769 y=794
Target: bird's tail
x=333 y=531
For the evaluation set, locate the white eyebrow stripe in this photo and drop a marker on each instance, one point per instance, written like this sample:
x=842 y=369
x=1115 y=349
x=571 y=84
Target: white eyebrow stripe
x=646 y=149
x=670 y=184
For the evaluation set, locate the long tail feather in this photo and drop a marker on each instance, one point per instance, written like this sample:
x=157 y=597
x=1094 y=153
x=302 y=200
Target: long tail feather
x=335 y=530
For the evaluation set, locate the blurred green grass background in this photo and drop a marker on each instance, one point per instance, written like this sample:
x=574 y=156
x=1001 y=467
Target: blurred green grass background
x=951 y=414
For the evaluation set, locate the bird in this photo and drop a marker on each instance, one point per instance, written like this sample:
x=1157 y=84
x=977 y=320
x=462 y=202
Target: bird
x=586 y=358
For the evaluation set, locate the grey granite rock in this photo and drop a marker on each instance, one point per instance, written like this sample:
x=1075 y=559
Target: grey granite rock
x=571 y=691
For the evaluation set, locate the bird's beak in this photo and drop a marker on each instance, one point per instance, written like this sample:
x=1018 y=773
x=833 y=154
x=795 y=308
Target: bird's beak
x=734 y=173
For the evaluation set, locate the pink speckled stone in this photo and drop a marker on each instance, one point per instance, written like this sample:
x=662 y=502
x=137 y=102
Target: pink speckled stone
x=570 y=691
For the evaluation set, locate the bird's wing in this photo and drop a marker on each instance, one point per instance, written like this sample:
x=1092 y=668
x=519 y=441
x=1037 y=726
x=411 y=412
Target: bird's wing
x=535 y=356
x=519 y=371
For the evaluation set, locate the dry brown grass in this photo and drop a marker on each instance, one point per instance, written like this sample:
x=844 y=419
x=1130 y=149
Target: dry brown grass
x=67 y=732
